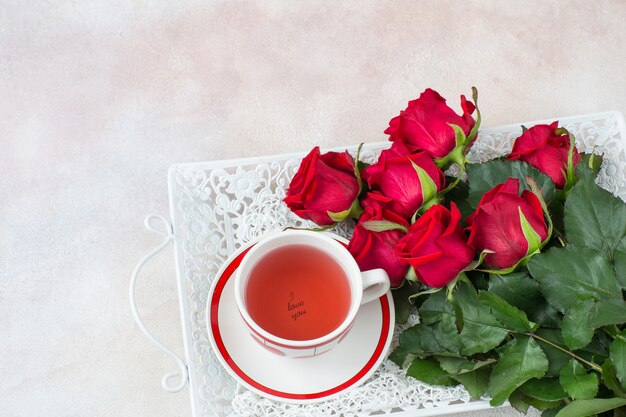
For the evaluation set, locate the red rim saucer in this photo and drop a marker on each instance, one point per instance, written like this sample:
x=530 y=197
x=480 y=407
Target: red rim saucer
x=295 y=380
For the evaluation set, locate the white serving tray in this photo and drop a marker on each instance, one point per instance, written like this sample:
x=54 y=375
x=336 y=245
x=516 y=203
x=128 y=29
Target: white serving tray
x=217 y=206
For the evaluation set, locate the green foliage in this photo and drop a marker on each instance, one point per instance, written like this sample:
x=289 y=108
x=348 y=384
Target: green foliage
x=380 y=225
x=579 y=384
x=577 y=332
x=550 y=335
x=429 y=371
x=594 y=218
x=483 y=177
x=607 y=312
x=522 y=361
x=566 y=274
x=521 y=291
x=618 y=357
x=546 y=389
x=609 y=377
x=556 y=357
x=481 y=330
x=475 y=382
x=511 y=317
x=619 y=260
x=586 y=408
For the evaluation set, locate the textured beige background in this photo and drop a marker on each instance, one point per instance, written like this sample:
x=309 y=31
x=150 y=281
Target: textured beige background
x=98 y=99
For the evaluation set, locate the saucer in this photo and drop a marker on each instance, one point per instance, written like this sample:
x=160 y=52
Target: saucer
x=295 y=380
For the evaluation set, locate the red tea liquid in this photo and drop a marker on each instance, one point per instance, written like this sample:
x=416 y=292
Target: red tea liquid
x=298 y=292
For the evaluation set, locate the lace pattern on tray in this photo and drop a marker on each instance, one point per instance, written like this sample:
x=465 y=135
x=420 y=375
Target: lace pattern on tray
x=218 y=206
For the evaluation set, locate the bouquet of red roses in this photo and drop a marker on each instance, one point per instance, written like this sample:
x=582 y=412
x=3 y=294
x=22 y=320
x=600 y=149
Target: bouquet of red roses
x=517 y=266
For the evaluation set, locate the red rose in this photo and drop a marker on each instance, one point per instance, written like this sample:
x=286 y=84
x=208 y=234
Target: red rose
x=544 y=149
x=324 y=183
x=436 y=246
x=395 y=183
x=424 y=124
x=496 y=224
x=373 y=250
x=397 y=149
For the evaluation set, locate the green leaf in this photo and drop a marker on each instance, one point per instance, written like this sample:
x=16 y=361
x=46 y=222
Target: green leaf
x=545 y=389
x=340 y=216
x=619 y=260
x=546 y=316
x=534 y=188
x=517 y=289
x=459 y=135
x=522 y=361
x=474 y=375
x=607 y=312
x=591 y=160
x=618 y=357
x=556 y=358
x=571 y=171
x=472 y=134
x=462 y=365
x=422 y=340
x=429 y=188
x=398 y=356
x=458 y=316
x=411 y=277
x=543 y=405
x=586 y=408
x=483 y=177
x=355 y=209
x=577 y=332
x=454 y=365
x=435 y=308
x=532 y=237
x=444 y=331
x=428 y=371
x=381 y=225
x=521 y=291
x=594 y=218
x=610 y=378
x=481 y=330
x=511 y=317
x=519 y=401
x=577 y=382
x=357 y=167
x=475 y=382
x=566 y=274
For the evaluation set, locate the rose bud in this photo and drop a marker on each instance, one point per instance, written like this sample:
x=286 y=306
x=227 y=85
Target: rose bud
x=375 y=249
x=436 y=246
x=510 y=226
x=425 y=125
x=324 y=186
x=402 y=184
x=546 y=147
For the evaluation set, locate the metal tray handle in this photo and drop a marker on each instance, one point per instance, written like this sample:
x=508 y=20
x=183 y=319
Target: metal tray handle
x=164 y=228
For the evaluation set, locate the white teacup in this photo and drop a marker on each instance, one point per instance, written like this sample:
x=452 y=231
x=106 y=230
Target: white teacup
x=303 y=311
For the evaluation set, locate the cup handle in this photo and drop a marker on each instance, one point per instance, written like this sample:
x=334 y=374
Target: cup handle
x=375 y=284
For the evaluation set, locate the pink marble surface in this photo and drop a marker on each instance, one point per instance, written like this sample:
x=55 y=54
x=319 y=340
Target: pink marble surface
x=97 y=99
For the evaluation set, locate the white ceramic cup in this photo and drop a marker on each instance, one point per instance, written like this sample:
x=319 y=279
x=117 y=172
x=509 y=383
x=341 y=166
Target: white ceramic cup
x=364 y=287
